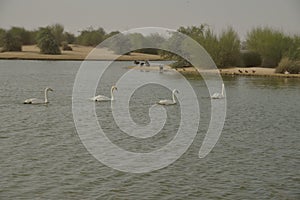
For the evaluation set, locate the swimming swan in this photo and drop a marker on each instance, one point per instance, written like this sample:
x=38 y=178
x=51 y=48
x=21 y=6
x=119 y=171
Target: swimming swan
x=218 y=95
x=169 y=102
x=104 y=98
x=39 y=101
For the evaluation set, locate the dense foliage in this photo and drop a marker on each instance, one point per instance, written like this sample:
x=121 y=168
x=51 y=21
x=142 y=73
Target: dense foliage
x=11 y=42
x=46 y=42
x=250 y=59
x=91 y=37
x=224 y=49
x=271 y=44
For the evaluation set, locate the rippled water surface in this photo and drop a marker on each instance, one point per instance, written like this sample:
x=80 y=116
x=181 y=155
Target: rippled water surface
x=41 y=155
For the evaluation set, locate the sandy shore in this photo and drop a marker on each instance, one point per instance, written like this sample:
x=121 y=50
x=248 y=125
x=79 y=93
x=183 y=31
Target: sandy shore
x=237 y=71
x=32 y=52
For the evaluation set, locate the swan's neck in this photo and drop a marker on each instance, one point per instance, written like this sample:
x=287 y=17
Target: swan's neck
x=222 y=89
x=173 y=97
x=46 y=96
x=112 y=94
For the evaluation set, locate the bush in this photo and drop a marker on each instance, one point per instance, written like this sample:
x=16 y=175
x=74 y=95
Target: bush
x=293 y=67
x=250 y=59
x=11 y=42
x=46 y=42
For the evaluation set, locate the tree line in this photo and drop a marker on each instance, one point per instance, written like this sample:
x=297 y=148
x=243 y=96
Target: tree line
x=263 y=46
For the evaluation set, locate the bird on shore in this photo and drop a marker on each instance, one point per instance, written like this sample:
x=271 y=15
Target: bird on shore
x=241 y=71
x=168 y=101
x=39 y=101
x=246 y=71
x=104 y=98
x=253 y=71
x=147 y=64
x=136 y=62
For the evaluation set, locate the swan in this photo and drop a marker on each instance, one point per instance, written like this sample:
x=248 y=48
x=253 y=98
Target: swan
x=39 y=101
x=104 y=98
x=218 y=95
x=167 y=101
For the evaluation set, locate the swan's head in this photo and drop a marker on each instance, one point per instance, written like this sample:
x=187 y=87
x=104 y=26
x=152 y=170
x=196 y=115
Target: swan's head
x=175 y=91
x=114 y=88
x=49 y=89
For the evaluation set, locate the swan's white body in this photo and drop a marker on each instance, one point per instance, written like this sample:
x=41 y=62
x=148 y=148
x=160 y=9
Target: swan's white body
x=104 y=98
x=167 y=101
x=218 y=95
x=39 y=101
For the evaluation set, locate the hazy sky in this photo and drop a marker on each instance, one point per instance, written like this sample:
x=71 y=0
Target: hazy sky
x=122 y=15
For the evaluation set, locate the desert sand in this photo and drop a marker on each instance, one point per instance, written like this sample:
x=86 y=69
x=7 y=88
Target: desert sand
x=32 y=52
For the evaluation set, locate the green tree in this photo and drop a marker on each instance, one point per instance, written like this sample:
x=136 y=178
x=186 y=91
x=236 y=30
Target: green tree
x=47 y=42
x=24 y=35
x=269 y=43
x=111 y=34
x=119 y=44
x=57 y=31
x=69 y=37
x=2 y=33
x=229 y=52
x=91 y=37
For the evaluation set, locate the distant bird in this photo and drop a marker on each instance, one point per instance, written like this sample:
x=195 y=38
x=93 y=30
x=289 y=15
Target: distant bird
x=167 y=101
x=147 y=63
x=253 y=71
x=218 y=95
x=161 y=68
x=104 y=98
x=286 y=72
x=246 y=71
x=136 y=62
x=241 y=71
x=142 y=64
x=39 y=101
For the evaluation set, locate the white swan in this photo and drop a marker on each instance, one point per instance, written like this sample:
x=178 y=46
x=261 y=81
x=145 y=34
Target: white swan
x=167 y=101
x=218 y=95
x=104 y=98
x=39 y=101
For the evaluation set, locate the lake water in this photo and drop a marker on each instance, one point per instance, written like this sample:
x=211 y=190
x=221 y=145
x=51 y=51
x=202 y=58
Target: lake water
x=42 y=156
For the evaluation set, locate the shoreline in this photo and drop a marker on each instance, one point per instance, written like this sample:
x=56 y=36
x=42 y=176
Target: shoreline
x=234 y=71
x=239 y=71
x=79 y=53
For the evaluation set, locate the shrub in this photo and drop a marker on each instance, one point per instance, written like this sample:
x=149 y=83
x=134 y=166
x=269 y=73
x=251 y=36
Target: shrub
x=46 y=42
x=293 y=67
x=250 y=59
x=11 y=42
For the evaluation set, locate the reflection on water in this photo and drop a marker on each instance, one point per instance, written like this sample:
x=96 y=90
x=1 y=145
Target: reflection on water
x=41 y=155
